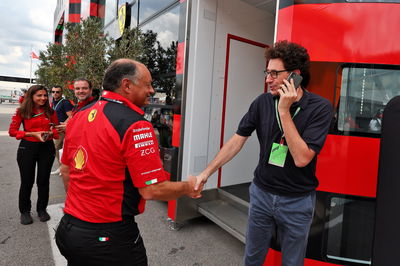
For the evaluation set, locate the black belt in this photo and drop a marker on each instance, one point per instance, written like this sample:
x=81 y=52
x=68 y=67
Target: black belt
x=78 y=222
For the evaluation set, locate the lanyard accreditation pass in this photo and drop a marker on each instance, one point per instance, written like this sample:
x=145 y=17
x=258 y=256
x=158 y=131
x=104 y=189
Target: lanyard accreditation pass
x=55 y=108
x=279 y=151
x=36 y=115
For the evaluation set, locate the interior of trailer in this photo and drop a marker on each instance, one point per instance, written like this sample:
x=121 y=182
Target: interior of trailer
x=227 y=75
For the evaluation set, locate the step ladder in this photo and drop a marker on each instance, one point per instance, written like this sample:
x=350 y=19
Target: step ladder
x=227 y=211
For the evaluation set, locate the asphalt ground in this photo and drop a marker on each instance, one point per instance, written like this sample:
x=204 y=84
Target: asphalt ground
x=199 y=242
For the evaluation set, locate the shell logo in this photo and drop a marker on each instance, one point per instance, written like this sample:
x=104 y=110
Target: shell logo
x=80 y=158
x=92 y=115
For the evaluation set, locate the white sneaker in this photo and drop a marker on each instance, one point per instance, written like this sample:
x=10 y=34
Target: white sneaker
x=56 y=172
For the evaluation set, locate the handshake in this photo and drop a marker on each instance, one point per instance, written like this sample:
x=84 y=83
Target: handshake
x=196 y=183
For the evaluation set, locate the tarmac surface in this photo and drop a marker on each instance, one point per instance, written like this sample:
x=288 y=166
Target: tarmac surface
x=199 y=242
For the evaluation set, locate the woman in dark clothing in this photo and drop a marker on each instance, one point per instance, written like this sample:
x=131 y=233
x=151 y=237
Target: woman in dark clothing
x=36 y=148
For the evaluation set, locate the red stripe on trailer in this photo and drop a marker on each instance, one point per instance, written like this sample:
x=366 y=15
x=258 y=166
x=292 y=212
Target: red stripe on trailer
x=180 y=58
x=274 y=258
x=94 y=9
x=74 y=18
x=75 y=1
x=101 y=10
x=172 y=209
x=176 y=131
x=345 y=42
x=349 y=165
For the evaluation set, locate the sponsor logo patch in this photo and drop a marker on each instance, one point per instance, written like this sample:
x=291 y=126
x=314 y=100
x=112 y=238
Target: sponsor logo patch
x=142 y=136
x=147 y=151
x=144 y=144
x=80 y=158
x=151 y=171
x=140 y=129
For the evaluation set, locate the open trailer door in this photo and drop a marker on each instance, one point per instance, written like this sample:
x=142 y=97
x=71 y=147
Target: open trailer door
x=224 y=73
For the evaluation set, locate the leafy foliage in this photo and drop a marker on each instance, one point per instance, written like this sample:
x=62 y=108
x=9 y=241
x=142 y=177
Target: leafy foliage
x=52 y=70
x=88 y=51
x=130 y=45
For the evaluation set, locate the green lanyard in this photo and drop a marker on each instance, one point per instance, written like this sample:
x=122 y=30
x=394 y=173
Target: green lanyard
x=37 y=114
x=279 y=120
x=55 y=108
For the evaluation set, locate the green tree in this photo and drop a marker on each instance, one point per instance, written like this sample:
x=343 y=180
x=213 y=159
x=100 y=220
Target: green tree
x=161 y=64
x=51 y=70
x=88 y=51
x=130 y=45
x=86 y=48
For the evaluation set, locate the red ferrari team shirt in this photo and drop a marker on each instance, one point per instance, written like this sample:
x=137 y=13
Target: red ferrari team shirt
x=111 y=151
x=39 y=122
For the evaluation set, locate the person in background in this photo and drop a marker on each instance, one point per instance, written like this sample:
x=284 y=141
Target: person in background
x=83 y=93
x=63 y=109
x=35 y=149
x=22 y=97
x=111 y=165
x=375 y=124
x=291 y=125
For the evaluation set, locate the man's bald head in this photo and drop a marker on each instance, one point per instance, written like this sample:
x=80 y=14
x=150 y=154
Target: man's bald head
x=120 y=69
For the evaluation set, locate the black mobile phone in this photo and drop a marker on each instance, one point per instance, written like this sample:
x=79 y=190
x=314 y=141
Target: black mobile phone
x=45 y=136
x=296 y=79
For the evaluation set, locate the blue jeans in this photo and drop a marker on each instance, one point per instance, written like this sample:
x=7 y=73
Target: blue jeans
x=291 y=217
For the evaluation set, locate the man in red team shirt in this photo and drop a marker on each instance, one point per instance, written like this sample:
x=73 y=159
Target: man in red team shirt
x=83 y=92
x=111 y=166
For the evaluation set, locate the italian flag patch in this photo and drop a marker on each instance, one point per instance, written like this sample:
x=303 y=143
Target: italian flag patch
x=103 y=239
x=150 y=182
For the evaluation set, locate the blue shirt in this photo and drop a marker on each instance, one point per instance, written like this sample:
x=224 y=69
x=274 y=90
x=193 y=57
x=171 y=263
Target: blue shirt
x=312 y=122
x=61 y=107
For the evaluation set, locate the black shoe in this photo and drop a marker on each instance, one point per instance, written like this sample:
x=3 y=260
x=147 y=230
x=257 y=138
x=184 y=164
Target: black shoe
x=43 y=216
x=26 y=218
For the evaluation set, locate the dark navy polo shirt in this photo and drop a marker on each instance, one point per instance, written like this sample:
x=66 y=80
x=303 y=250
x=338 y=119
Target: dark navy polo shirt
x=62 y=107
x=312 y=122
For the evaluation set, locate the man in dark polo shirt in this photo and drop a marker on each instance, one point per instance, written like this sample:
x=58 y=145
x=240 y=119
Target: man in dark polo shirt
x=291 y=125
x=111 y=166
x=63 y=109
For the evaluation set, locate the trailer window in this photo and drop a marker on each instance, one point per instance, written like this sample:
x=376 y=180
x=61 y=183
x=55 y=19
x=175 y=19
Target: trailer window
x=350 y=230
x=111 y=11
x=149 y=8
x=365 y=91
x=161 y=37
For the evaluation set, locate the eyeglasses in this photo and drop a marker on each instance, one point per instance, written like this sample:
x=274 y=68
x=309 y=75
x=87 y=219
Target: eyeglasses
x=273 y=73
x=55 y=91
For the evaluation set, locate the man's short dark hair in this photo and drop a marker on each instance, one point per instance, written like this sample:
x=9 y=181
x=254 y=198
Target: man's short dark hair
x=58 y=87
x=293 y=56
x=117 y=71
x=83 y=79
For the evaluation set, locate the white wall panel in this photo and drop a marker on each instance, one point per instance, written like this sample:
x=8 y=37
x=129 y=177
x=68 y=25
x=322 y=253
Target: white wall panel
x=211 y=22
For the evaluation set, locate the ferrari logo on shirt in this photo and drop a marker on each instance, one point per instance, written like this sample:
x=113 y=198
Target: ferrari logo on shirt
x=92 y=115
x=80 y=158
